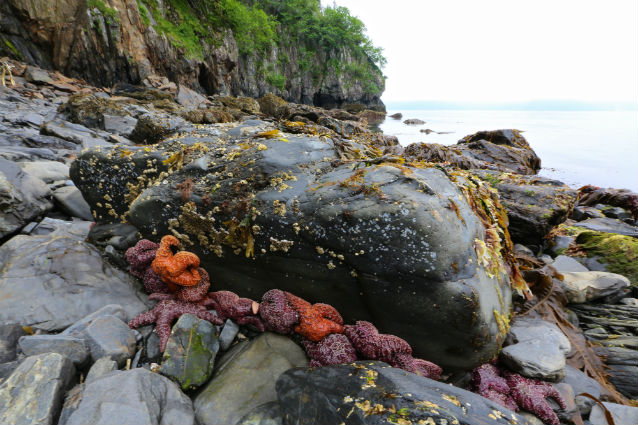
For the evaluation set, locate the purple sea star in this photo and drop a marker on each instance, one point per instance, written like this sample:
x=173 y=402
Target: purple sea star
x=333 y=349
x=276 y=313
x=488 y=382
x=165 y=312
x=141 y=256
x=243 y=310
x=531 y=395
x=388 y=348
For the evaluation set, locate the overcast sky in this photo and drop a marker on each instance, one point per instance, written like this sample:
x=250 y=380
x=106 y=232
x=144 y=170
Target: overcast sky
x=505 y=50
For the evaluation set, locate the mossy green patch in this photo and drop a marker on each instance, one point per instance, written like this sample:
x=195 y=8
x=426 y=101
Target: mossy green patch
x=109 y=13
x=619 y=252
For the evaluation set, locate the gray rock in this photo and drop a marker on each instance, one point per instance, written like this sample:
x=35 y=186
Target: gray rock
x=535 y=360
x=72 y=400
x=109 y=337
x=245 y=378
x=188 y=97
x=68 y=346
x=190 y=353
x=75 y=133
x=581 y=287
x=9 y=335
x=538 y=349
x=72 y=202
x=371 y=392
x=581 y=383
x=123 y=125
x=609 y=225
x=567 y=392
x=531 y=418
x=523 y=249
x=560 y=244
x=563 y=264
x=77 y=328
x=37 y=75
x=51 y=281
x=153 y=346
x=47 y=171
x=617 y=212
x=133 y=397
x=625 y=379
x=153 y=127
x=582 y=212
x=75 y=228
x=100 y=368
x=33 y=393
x=6 y=369
x=22 y=197
x=623 y=415
x=593 y=264
x=228 y=334
x=633 y=302
x=266 y=414
x=413 y=121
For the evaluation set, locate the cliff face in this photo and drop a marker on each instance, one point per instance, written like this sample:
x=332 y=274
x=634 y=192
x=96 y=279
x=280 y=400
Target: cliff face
x=111 y=41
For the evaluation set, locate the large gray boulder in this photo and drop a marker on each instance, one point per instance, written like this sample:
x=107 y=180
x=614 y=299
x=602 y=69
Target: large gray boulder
x=133 y=397
x=33 y=394
x=22 y=197
x=375 y=393
x=245 y=378
x=326 y=219
x=51 y=281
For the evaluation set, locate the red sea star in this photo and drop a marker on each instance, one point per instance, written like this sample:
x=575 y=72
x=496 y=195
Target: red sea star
x=175 y=269
x=243 y=310
x=165 y=312
x=190 y=294
x=388 y=348
x=316 y=321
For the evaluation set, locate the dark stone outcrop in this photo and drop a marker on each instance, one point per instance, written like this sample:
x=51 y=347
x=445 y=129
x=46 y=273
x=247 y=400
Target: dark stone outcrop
x=502 y=150
x=327 y=218
x=375 y=393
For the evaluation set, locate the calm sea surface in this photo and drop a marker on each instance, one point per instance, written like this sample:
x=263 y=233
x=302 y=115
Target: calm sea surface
x=576 y=147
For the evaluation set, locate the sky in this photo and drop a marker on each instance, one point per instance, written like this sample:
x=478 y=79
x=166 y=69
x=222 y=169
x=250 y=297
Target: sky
x=505 y=50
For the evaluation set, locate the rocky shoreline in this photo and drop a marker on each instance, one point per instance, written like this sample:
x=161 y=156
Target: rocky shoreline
x=460 y=251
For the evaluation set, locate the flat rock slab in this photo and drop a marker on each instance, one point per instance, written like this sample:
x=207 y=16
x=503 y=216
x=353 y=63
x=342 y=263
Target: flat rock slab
x=245 y=378
x=563 y=264
x=368 y=392
x=609 y=225
x=190 y=352
x=72 y=202
x=73 y=348
x=110 y=337
x=623 y=415
x=47 y=171
x=33 y=393
x=582 y=287
x=537 y=349
x=53 y=280
x=133 y=397
x=10 y=333
x=22 y=197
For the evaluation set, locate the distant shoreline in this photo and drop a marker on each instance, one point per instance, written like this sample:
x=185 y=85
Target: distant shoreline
x=537 y=105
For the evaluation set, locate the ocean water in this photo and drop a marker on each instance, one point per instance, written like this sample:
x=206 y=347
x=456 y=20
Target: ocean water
x=575 y=147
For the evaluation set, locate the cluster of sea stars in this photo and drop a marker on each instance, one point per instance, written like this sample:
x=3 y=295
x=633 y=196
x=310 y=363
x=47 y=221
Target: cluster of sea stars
x=514 y=391
x=181 y=286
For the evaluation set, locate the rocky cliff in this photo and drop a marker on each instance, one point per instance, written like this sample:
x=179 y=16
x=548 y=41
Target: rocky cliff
x=109 y=41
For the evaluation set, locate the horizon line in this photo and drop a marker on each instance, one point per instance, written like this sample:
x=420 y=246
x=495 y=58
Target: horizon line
x=543 y=104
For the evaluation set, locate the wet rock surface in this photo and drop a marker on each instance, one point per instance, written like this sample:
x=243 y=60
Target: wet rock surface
x=190 y=353
x=50 y=281
x=133 y=397
x=245 y=378
x=34 y=392
x=358 y=394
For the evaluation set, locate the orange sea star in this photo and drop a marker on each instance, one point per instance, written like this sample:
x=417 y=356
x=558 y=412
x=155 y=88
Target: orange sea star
x=178 y=269
x=315 y=321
